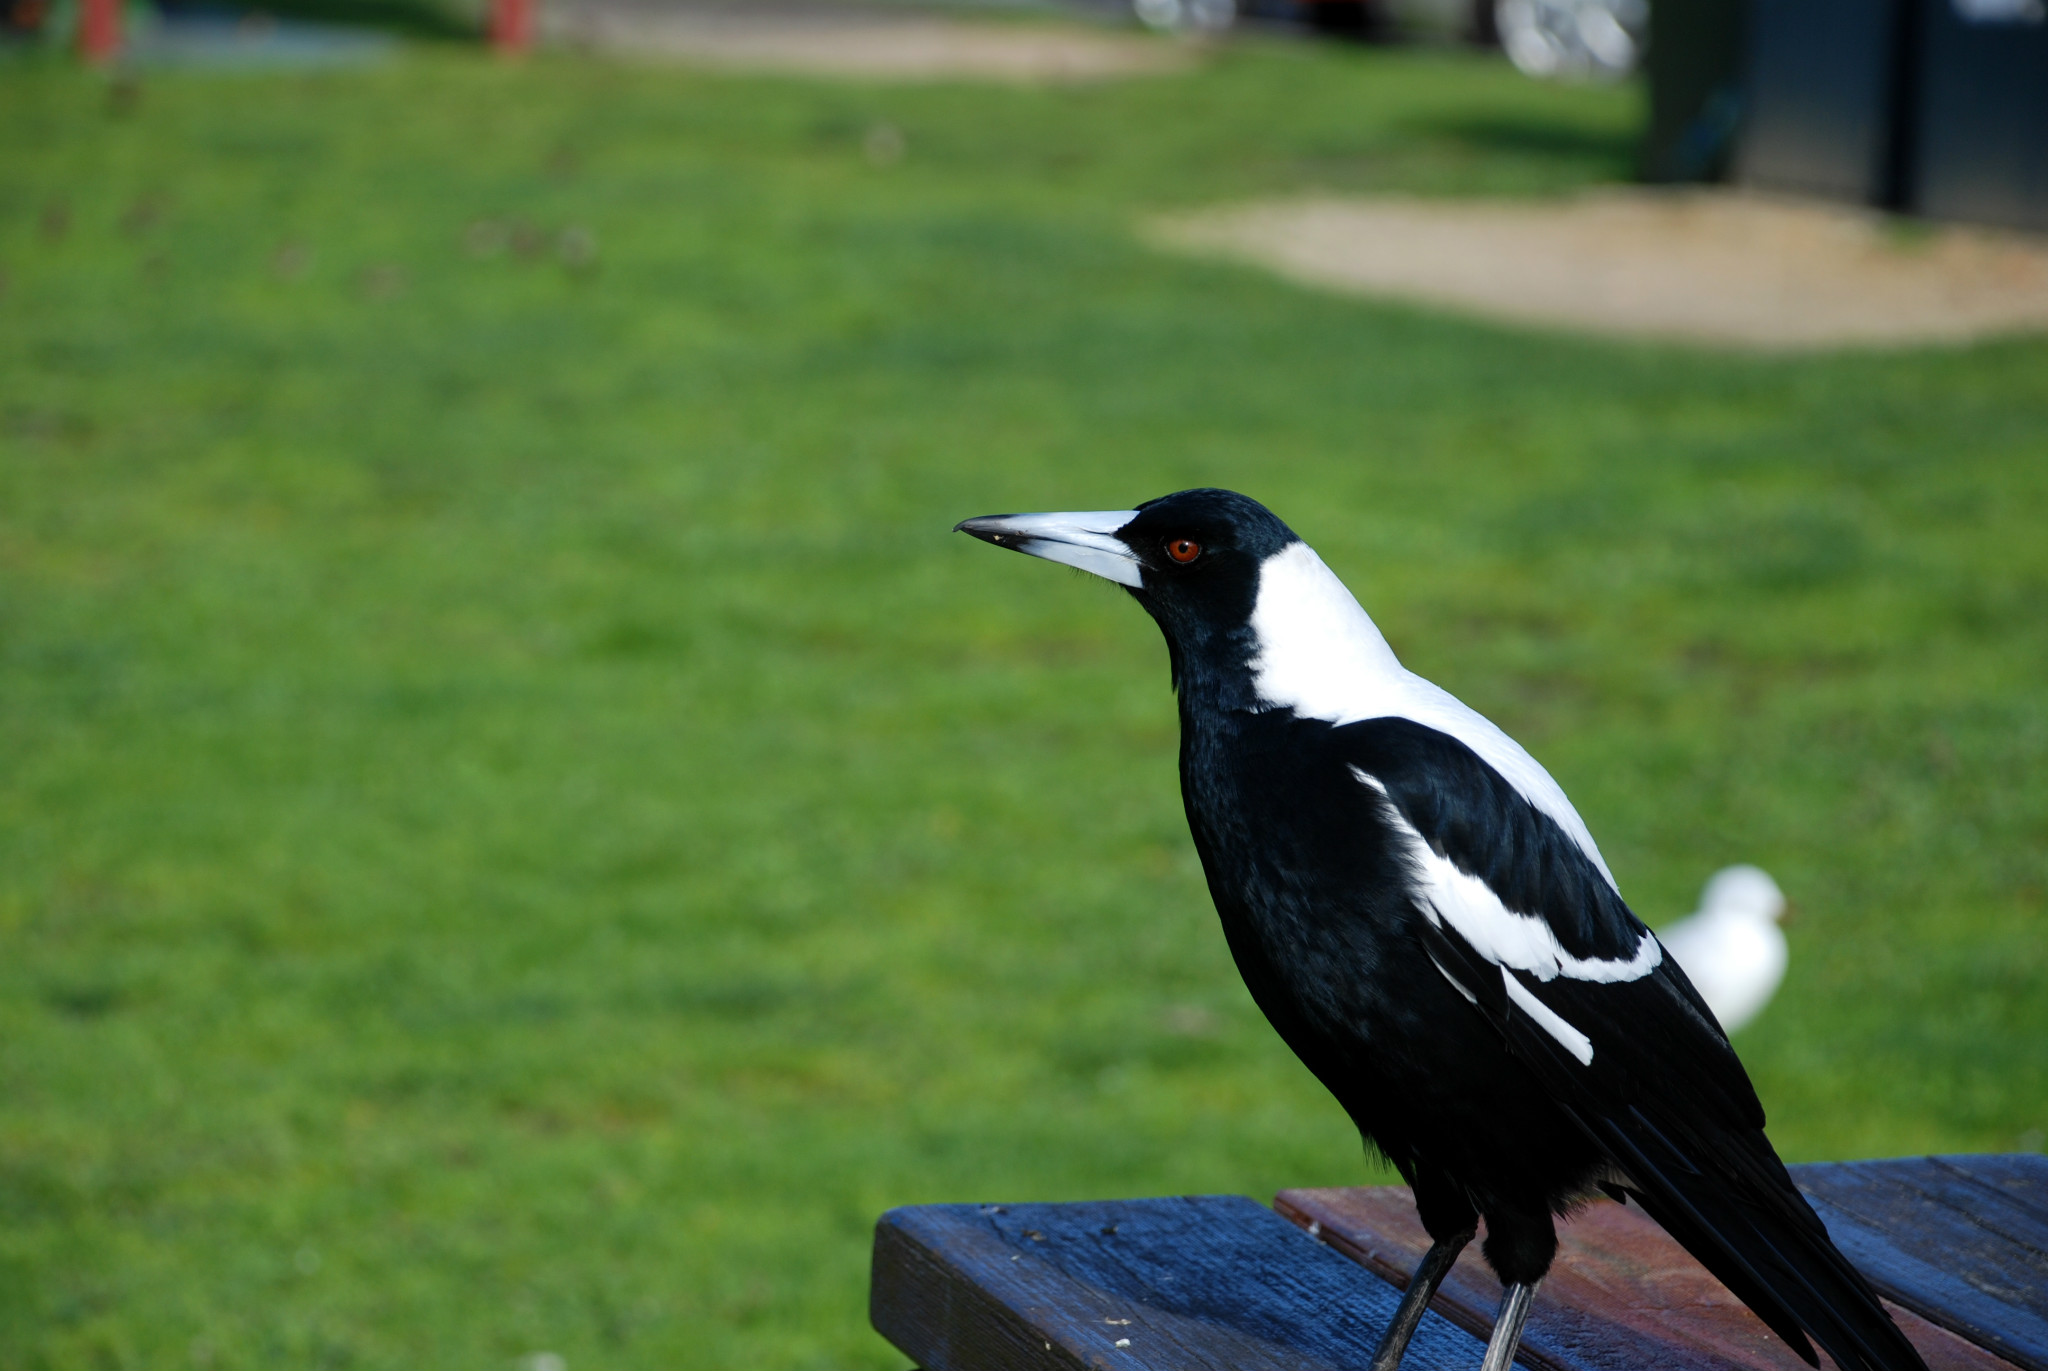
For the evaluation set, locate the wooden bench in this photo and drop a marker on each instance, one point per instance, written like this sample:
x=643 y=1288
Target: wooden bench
x=1958 y=1246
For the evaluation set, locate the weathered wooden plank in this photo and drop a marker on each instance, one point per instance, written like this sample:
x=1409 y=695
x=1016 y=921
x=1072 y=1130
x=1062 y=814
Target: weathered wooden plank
x=1205 y=1284
x=1208 y=1283
x=1575 y=1325
x=2021 y=1176
x=1970 y=1256
x=1905 y=1194
x=1622 y=1295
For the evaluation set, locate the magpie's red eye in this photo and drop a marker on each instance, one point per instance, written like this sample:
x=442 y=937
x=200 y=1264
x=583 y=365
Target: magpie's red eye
x=1183 y=549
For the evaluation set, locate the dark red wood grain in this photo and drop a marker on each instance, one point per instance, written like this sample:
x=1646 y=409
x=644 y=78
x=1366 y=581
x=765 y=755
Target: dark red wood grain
x=1623 y=1295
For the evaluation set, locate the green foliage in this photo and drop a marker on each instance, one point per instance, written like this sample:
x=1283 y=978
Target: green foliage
x=520 y=829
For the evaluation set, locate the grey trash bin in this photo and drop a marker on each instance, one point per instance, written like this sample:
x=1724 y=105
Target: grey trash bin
x=1979 y=129
x=1822 y=114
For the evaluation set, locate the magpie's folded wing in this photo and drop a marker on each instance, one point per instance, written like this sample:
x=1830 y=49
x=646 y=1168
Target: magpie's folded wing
x=1527 y=927
x=1536 y=930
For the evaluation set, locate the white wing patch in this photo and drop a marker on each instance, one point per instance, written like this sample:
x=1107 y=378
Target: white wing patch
x=1321 y=655
x=1548 y=1019
x=1514 y=942
x=1497 y=933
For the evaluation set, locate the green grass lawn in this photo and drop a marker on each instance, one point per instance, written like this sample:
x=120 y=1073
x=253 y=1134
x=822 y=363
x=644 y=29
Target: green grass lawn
x=521 y=830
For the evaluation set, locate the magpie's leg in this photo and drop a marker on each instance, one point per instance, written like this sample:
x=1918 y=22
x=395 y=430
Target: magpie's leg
x=1521 y=1242
x=1429 y=1274
x=1507 y=1326
x=1449 y=1219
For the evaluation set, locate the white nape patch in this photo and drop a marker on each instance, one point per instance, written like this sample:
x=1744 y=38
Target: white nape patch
x=1321 y=655
x=1497 y=933
x=1548 y=1019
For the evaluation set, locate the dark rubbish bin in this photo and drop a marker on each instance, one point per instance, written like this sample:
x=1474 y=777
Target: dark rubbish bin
x=1979 y=130
x=1826 y=79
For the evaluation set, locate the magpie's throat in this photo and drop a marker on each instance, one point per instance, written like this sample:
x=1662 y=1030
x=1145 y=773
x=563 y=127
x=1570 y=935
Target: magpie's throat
x=1211 y=664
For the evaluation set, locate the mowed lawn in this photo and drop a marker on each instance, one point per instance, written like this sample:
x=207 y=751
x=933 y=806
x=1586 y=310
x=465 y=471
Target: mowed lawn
x=522 y=831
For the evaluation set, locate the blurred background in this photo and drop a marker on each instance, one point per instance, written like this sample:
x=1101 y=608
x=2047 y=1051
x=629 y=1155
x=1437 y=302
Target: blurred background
x=521 y=832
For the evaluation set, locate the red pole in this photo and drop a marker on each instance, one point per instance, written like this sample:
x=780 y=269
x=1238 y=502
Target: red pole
x=511 y=25
x=99 y=29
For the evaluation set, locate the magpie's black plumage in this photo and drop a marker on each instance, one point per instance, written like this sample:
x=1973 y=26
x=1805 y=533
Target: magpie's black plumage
x=1425 y=920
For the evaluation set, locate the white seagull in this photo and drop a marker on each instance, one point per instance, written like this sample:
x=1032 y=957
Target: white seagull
x=1732 y=948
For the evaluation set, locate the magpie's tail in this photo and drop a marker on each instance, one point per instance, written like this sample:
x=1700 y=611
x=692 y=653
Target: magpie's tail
x=1738 y=1212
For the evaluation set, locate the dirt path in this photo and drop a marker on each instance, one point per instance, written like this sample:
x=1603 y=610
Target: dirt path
x=1700 y=266
x=846 y=40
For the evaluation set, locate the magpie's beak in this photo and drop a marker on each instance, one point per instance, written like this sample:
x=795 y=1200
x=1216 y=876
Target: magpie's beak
x=1087 y=541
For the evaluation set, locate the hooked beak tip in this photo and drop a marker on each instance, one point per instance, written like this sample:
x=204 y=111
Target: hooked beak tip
x=990 y=528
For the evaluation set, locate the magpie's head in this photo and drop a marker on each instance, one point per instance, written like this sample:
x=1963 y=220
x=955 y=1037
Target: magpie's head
x=1192 y=559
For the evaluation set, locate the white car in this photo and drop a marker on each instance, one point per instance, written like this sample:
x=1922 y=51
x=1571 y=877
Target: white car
x=1584 y=39
x=1213 y=16
x=1569 y=39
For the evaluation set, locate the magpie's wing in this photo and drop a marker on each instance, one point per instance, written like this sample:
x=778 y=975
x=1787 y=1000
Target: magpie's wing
x=1521 y=920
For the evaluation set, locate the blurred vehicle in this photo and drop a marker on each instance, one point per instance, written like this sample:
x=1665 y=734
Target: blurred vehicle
x=1573 y=39
x=1186 y=16
x=1358 y=17
x=1555 y=37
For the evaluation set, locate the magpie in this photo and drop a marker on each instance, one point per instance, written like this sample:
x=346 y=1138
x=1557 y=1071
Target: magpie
x=1425 y=919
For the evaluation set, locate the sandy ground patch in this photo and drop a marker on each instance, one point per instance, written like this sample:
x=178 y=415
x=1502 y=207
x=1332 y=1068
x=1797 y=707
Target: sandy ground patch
x=837 y=40
x=1703 y=266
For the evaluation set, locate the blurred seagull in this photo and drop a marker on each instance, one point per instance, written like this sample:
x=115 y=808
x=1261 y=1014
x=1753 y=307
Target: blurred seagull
x=1732 y=948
